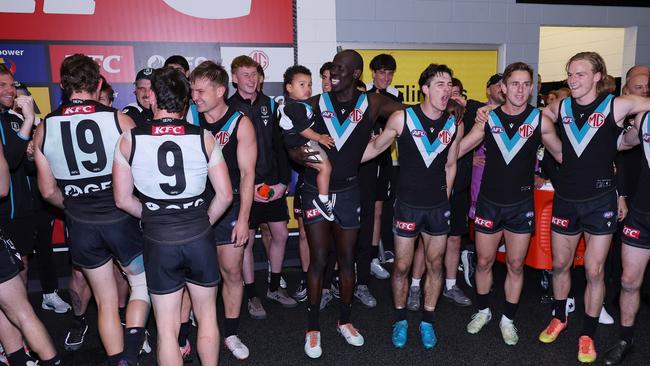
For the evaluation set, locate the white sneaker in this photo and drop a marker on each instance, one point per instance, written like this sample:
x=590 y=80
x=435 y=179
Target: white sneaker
x=509 y=332
x=378 y=270
x=478 y=322
x=351 y=334
x=604 y=317
x=53 y=302
x=238 y=349
x=312 y=344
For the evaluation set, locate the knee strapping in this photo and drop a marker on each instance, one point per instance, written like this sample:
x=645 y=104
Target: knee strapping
x=138 y=285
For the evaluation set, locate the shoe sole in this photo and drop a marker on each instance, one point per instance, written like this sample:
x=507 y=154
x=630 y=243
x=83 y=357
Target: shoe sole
x=379 y=277
x=455 y=303
x=257 y=317
x=286 y=306
x=48 y=307
x=301 y=298
x=364 y=304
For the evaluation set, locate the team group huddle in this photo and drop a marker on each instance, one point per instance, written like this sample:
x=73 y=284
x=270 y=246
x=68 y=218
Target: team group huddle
x=149 y=193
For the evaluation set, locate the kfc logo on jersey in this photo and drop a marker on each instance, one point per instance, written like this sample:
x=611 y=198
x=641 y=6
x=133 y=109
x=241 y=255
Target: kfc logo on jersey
x=646 y=137
x=488 y=224
x=596 y=120
x=497 y=130
x=526 y=131
x=222 y=137
x=560 y=222
x=260 y=57
x=167 y=130
x=310 y=214
x=418 y=133
x=567 y=120
x=356 y=115
x=406 y=226
x=328 y=114
x=445 y=137
x=78 y=109
x=116 y=62
x=631 y=233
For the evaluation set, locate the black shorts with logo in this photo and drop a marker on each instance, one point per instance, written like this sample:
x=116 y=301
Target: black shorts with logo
x=409 y=221
x=297 y=203
x=459 y=203
x=346 y=207
x=596 y=216
x=22 y=231
x=492 y=218
x=223 y=227
x=384 y=174
x=10 y=263
x=274 y=211
x=168 y=267
x=94 y=244
x=636 y=229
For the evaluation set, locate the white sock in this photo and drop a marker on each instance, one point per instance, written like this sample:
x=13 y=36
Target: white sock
x=449 y=283
x=323 y=198
x=415 y=282
x=505 y=320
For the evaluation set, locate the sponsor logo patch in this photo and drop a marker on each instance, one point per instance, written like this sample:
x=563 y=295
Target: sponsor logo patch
x=526 y=131
x=608 y=214
x=167 y=130
x=356 y=115
x=445 y=137
x=222 y=137
x=567 y=120
x=530 y=214
x=404 y=225
x=78 y=109
x=596 y=120
x=311 y=213
x=488 y=224
x=560 y=222
x=497 y=130
x=646 y=137
x=631 y=232
x=418 y=133
x=328 y=114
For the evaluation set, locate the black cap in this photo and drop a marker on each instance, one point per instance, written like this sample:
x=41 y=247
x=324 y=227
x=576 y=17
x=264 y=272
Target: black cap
x=494 y=79
x=144 y=74
x=178 y=60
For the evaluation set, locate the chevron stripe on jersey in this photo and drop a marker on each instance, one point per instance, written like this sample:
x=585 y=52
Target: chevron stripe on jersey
x=509 y=147
x=645 y=137
x=429 y=150
x=223 y=136
x=341 y=132
x=580 y=137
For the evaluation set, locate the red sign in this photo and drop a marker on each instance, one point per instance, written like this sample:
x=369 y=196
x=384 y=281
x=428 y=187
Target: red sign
x=115 y=62
x=406 y=226
x=488 y=224
x=596 y=120
x=78 y=109
x=560 y=222
x=445 y=137
x=228 y=21
x=631 y=233
x=526 y=131
x=167 y=130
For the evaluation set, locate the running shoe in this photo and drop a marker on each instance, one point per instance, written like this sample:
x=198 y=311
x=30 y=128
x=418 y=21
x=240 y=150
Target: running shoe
x=362 y=293
x=238 y=349
x=281 y=297
x=325 y=208
x=478 y=321
x=301 y=292
x=377 y=270
x=351 y=334
x=75 y=338
x=618 y=352
x=413 y=302
x=400 y=330
x=326 y=298
x=586 y=350
x=457 y=296
x=428 y=335
x=255 y=308
x=509 y=332
x=312 y=344
x=186 y=352
x=552 y=331
x=54 y=302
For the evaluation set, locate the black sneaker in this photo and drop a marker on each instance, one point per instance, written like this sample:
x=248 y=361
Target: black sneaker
x=301 y=292
x=325 y=208
x=334 y=288
x=616 y=354
x=75 y=338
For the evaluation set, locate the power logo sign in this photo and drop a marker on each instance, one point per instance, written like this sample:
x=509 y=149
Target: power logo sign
x=26 y=61
x=115 y=62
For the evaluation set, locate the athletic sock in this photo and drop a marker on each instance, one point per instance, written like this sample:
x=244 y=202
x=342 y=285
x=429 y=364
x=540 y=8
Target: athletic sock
x=510 y=309
x=275 y=282
x=54 y=361
x=415 y=282
x=230 y=327
x=428 y=316
x=560 y=310
x=400 y=314
x=249 y=288
x=345 y=312
x=133 y=339
x=627 y=334
x=374 y=251
x=303 y=277
x=483 y=301
x=19 y=357
x=313 y=317
x=589 y=326
x=449 y=283
x=323 y=197
x=184 y=333
x=115 y=359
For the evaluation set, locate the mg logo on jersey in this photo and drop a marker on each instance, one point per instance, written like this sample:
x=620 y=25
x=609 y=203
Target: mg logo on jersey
x=646 y=137
x=445 y=137
x=596 y=120
x=167 y=130
x=488 y=224
x=328 y=114
x=356 y=115
x=418 y=133
x=260 y=57
x=78 y=109
x=567 y=120
x=560 y=222
x=631 y=232
x=497 y=130
x=310 y=214
x=406 y=226
x=116 y=62
x=222 y=137
x=526 y=131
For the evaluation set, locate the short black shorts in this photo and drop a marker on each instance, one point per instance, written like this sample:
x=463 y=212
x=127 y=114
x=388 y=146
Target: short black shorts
x=223 y=227
x=384 y=174
x=459 y=203
x=297 y=203
x=409 y=222
x=10 y=263
x=22 y=232
x=94 y=244
x=636 y=229
x=169 y=267
x=346 y=207
x=492 y=218
x=596 y=216
x=274 y=211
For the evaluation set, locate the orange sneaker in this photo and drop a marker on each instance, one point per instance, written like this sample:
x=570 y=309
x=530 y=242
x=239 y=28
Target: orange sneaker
x=586 y=350
x=552 y=331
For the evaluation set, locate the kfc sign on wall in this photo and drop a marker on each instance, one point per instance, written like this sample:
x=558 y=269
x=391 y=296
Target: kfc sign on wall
x=115 y=62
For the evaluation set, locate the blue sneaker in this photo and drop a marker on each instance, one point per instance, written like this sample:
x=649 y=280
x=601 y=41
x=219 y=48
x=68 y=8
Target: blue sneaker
x=399 y=333
x=428 y=335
